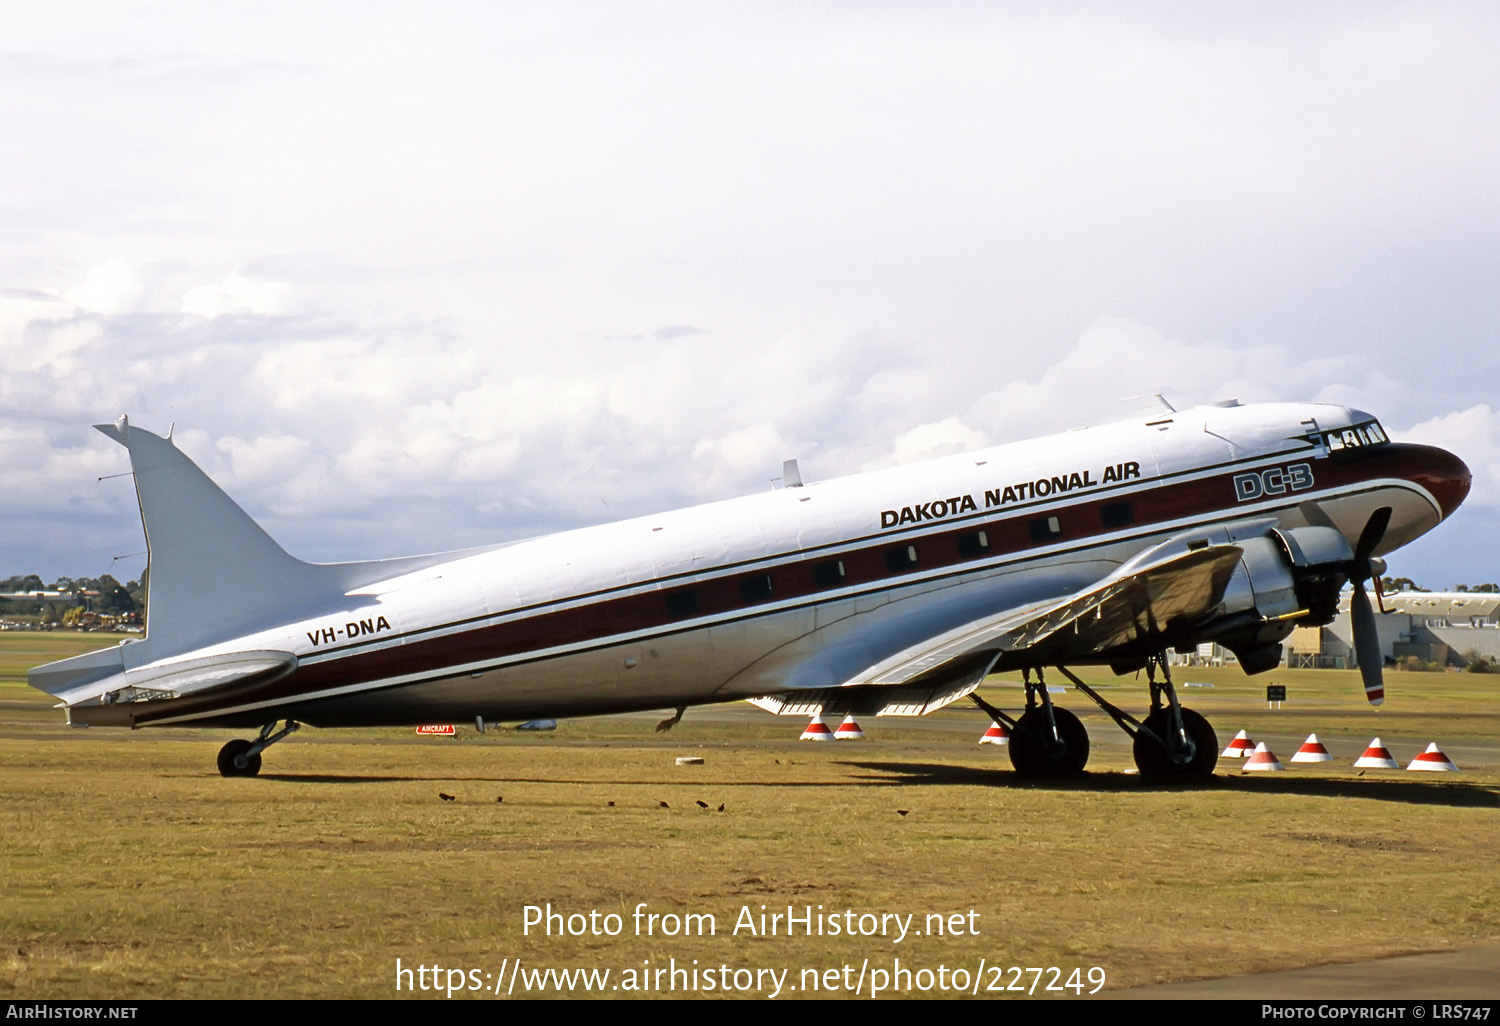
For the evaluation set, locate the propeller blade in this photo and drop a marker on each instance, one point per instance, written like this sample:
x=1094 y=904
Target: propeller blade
x=1367 y=645
x=1369 y=538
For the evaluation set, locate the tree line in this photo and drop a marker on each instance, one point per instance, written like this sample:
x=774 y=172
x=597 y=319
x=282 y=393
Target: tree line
x=1391 y=585
x=68 y=601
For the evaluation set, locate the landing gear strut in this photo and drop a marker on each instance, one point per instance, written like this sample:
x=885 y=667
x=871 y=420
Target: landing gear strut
x=241 y=758
x=1188 y=753
x=1042 y=751
x=1047 y=742
x=1174 y=743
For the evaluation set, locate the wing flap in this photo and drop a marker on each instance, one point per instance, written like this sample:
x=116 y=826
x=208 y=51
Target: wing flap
x=956 y=680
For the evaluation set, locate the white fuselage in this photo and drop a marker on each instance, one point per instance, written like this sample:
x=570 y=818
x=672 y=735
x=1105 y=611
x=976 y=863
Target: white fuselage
x=802 y=586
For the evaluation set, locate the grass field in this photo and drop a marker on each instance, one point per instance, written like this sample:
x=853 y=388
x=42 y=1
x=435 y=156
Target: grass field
x=131 y=869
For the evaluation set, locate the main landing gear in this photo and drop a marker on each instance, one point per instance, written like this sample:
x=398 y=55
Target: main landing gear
x=241 y=758
x=1173 y=743
x=1047 y=741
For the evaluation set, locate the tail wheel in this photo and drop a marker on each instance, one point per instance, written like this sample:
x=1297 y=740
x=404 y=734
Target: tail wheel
x=234 y=762
x=1034 y=753
x=1196 y=761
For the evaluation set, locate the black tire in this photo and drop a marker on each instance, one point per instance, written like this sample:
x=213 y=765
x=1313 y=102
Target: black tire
x=1197 y=764
x=1036 y=755
x=235 y=750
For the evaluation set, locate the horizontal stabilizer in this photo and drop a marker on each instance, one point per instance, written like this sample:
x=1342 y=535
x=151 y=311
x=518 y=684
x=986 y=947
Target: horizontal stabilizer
x=81 y=677
x=105 y=681
x=191 y=675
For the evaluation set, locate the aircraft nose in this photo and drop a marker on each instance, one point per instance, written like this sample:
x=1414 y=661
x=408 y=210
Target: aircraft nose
x=1446 y=476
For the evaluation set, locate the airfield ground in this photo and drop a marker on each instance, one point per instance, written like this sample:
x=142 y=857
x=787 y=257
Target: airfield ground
x=131 y=869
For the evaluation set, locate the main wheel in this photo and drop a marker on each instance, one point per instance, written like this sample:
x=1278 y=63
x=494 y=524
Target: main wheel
x=1195 y=763
x=1034 y=753
x=234 y=762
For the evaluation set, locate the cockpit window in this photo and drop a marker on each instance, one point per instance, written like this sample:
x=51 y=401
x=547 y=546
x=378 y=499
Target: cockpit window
x=1357 y=437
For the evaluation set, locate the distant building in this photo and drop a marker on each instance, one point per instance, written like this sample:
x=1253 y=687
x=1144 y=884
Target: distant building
x=1207 y=654
x=1436 y=627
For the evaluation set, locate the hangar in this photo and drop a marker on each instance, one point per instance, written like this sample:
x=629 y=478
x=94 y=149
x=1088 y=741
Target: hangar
x=1443 y=628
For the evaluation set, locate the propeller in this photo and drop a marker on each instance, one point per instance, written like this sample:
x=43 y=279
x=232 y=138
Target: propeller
x=1366 y=637
x=1362 y=568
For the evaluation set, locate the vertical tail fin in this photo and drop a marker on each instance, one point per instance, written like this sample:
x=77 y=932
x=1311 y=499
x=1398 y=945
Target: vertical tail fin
x=213 y=572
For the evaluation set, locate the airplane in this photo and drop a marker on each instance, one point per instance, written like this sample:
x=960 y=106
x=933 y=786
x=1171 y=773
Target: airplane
x=892 y=592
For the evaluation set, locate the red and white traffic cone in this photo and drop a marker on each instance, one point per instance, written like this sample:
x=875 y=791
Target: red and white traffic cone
x=1312 y=750
x=849 y=730
x=996 y=735
x=1432 y=759
x=817 y=730
x=1240 y=747
x=1263 y=760
x=1376 y=756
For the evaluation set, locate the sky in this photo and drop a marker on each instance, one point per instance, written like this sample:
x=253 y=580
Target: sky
x=405 y=278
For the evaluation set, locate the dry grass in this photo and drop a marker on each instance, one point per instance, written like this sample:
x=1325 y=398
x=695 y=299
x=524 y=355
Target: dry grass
x=133 y=870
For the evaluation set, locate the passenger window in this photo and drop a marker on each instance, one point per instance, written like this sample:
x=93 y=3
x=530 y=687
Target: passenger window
x=902 y=557
x=682 y=604
x=974 y=544
x=828 y=575
x=756 y=588
x=1045 y=530
x=1116 y=514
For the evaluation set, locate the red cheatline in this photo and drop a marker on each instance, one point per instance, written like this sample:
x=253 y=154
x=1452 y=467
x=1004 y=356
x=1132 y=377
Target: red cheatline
x=1376 y=757
x=817 y=730
x=1263 y=759
x=849 y=730
x=1240 y=747
x=1432 y=759
x=996 y=735
x=1312 y=750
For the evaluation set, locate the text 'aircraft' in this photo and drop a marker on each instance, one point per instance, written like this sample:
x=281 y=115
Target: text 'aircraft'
x=888 y=593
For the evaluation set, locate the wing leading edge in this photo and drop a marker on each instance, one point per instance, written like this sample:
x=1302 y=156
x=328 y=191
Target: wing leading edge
x=1141 y=604
x=1146 y=604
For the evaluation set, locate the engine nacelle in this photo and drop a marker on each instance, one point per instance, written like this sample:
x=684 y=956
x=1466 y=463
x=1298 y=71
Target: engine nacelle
x=1287 y=571
x=1286 y=578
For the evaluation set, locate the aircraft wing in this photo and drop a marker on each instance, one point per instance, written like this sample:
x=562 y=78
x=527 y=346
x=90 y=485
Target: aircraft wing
x=1140 y=603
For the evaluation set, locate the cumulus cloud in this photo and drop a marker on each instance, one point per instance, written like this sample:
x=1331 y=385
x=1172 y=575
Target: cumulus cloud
x=236 y=294
x=926 y=441
x=316 y=424
x=111 y=287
